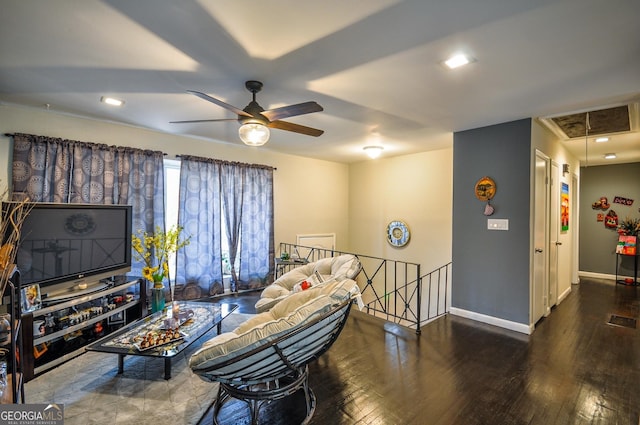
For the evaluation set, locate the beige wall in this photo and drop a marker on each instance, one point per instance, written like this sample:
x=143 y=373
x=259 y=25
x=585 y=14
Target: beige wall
x=417 y=189
x=310 y=196
x=544 y=140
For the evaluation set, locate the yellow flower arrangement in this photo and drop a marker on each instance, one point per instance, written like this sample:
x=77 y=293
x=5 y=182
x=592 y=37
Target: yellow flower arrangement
x=154 y=250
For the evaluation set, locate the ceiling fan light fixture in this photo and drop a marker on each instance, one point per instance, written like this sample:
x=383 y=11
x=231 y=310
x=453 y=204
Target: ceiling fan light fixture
x=254 y=134
x=373 y=151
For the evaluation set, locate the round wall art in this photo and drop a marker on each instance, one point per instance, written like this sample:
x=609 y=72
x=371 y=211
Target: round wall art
x=485 y=188
x=398 y=233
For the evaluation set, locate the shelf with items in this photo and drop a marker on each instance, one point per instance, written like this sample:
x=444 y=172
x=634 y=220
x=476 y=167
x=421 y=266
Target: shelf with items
x=282 y=266
x=11 y=376
x=61 y=330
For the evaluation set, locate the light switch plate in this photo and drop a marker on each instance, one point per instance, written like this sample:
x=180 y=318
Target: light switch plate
x=498 y=223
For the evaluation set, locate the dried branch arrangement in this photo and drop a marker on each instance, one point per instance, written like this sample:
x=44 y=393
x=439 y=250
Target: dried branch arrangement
x=10 y=228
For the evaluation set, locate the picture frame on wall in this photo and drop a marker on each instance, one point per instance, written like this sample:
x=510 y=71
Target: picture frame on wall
x=564 y=208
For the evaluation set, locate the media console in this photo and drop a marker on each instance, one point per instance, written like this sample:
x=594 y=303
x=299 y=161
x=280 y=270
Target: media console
x=68 y=321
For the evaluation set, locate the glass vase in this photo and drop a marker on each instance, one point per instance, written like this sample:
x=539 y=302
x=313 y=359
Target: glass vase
x=157 y=299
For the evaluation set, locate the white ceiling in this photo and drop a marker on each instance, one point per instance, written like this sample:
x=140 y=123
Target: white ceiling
x=374 y=66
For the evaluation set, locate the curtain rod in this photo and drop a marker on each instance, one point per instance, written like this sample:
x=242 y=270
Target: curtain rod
x=102 y=145
x=165 y=154
x=227 y=162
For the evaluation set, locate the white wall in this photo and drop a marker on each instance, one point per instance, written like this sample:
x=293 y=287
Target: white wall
x=417 y=189
x=310 y=196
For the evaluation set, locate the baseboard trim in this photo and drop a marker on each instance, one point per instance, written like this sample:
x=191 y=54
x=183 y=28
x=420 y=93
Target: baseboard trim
x=597 y=275
x=495 y=321
x=564 y=295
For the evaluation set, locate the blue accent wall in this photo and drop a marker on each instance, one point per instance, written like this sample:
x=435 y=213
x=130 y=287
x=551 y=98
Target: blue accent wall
x=490 y=273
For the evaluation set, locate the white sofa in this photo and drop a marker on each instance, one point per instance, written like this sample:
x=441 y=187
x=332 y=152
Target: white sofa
x=346 y=266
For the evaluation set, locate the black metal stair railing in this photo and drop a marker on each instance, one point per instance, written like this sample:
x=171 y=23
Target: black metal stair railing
x=391 y=289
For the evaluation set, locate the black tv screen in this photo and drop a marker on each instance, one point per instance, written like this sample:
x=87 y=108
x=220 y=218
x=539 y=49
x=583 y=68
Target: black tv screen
x=73 y=243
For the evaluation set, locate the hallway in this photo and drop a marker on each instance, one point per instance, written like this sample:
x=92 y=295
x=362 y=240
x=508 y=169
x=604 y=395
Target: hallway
x=574 y=369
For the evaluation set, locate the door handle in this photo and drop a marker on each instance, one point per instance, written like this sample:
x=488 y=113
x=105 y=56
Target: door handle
x=558 y=243
x=538 y=250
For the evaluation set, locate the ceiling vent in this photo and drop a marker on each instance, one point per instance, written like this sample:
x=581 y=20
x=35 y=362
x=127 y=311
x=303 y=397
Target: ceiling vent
x=618 y=119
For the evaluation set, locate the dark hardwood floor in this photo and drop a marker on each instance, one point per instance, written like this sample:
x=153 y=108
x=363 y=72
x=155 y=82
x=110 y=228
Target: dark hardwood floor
x=576 y=368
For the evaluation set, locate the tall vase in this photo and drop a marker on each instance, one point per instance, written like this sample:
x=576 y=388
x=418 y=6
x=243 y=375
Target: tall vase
x=157 y=297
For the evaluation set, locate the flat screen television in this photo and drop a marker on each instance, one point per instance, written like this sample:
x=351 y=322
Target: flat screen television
x=67 y=249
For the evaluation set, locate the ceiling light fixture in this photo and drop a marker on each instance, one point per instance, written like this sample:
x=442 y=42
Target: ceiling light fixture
x=111 y=101
x=610 y=156
x=602 y=139
x=373 y=151
x=457 y=61
x=254 y=133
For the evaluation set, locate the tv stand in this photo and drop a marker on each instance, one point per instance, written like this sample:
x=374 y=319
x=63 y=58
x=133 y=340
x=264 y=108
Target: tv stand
x=72 y=319
x=73 y=292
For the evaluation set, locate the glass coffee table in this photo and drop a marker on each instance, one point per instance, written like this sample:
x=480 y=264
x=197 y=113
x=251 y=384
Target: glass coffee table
x=158 y=335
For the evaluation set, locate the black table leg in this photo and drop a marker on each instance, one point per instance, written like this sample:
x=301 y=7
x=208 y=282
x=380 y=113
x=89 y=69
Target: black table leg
x=219 y=328
x=167 y=368
x=121 y=364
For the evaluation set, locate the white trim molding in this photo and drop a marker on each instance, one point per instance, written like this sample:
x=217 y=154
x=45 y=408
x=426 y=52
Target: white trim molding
x=594 y=275
x=495 y=321
x=564 y=295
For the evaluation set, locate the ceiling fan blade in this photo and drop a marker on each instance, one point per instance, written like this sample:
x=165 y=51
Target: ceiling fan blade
x=296 y=128
x=291 y=111
x=192 y=121
x=218 y=102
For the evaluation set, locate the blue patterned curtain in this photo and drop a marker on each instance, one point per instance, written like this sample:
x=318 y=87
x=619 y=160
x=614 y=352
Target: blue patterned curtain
x=256 y=231
x=91 y=163
x=55 y=170
x=242 y=196
x=139 y=182
x=199 y=264
x=41 y=168
x=231 y=187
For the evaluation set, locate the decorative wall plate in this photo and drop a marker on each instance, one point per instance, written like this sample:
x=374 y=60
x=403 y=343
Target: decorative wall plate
x=485 y=188
x=398 y=233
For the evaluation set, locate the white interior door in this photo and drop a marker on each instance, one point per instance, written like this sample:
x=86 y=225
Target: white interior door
x=540 y=238
x=321 y=240
x=554 y=235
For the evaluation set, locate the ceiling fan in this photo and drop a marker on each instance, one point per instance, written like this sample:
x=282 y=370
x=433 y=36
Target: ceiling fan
x=256 y=121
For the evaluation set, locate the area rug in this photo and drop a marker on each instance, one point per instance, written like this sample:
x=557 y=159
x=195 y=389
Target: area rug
x=92 y=392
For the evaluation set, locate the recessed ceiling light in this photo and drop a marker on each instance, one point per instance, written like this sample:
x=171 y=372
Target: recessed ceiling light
x=111 y=101
x=602 y=139
x=373 y=151
x=610 y=156
x=457 y=61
